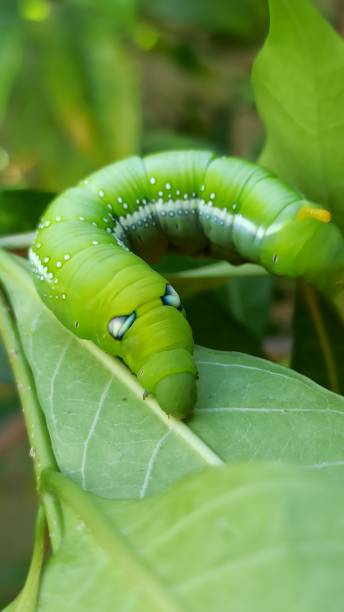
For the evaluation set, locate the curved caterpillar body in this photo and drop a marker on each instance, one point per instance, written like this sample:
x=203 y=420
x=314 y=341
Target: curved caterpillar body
x=91 y=243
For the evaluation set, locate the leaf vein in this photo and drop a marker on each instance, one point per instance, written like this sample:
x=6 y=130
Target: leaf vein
x=91 y=431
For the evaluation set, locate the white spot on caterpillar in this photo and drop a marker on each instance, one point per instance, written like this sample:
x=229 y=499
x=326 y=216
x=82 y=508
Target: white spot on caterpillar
x=46 y=259
x=234 y=206
x=86 y=181
x=66 y=257
x=119 y=199
x=125 y=205
x=50 y=275
x=109 y=206
x=58 y=219
x=202 y=187
x=95 y=242
x=193 y=194
x=38 y=245
x=168 y=186
x=47 y=223
x=101 y=193
x=152 y=180
x=186 y=196
x=212 y=196
x=59 y=264
x=94 y=223
x=82 y=218
x=177 y=192
x=160 y=193
x=63 y=296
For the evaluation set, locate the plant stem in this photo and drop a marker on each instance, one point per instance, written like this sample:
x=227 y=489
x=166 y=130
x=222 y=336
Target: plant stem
x=17 y=241
x=39 y=440
x=313 y=305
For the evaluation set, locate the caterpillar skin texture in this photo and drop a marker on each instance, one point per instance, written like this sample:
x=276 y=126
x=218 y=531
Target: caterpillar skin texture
x=91 y=243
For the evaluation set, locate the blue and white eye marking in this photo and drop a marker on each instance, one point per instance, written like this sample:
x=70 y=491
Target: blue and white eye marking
x=171 y=298
x=119 y=325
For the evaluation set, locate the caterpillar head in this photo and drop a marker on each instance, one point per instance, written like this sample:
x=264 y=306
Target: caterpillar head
x=177 y=394
x=157 y=344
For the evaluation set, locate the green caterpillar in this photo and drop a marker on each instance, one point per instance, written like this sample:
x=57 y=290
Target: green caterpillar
x=91 y=243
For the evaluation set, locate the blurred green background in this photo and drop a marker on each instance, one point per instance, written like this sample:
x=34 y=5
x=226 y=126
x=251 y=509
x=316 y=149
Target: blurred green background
x=84 y=82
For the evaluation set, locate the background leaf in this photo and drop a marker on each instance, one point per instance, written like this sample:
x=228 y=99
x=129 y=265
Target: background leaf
x=243 y=20
x=214 y=325
x=249 y=300
x=85 y=87
x=303 y=112
x=10 y=53
x=260 y=538
x=20 y=209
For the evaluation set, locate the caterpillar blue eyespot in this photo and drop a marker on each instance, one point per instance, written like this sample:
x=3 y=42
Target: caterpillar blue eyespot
x=90 y=254
x=119 y=325
x=171 y=298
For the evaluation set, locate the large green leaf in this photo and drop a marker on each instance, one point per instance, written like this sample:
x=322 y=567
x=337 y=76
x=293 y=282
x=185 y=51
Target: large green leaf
x=244 y=538
x=240 y=537
x=298 y=82
x=114 y=443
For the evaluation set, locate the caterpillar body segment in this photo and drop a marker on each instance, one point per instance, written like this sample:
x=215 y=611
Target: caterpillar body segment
x=93 y=243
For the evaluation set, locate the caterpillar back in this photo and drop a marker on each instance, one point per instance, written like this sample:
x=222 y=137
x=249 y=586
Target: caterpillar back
x=90 y=253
